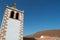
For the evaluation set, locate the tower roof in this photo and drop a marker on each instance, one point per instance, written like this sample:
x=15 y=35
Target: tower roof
x=14 y=5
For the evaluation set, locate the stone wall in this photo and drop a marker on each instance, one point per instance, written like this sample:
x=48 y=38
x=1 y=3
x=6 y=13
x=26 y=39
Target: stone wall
x=28 y=38
x=52 y=38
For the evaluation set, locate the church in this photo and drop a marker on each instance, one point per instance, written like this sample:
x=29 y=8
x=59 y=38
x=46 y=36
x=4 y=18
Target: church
x=12 y=24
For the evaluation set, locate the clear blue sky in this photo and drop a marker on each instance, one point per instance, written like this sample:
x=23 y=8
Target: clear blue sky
x=39 y=15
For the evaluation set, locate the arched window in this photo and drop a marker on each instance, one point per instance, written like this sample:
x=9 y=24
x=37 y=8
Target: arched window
x=17 y=15
x=12 y=14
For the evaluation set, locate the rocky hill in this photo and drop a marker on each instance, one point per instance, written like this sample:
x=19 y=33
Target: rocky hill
x=50 y=33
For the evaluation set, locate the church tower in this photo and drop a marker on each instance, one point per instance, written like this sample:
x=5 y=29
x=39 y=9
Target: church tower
x=12 y=24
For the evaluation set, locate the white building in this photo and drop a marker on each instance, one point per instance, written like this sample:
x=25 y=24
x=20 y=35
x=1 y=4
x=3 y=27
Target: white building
x=12 y=24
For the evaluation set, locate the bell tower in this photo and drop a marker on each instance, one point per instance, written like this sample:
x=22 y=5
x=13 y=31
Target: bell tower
x=12 y=24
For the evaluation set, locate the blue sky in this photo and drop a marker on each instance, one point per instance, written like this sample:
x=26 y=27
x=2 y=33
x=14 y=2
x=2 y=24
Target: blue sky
x=39 y=15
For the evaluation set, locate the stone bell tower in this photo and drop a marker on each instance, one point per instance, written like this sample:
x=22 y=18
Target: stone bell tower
x=12 y=24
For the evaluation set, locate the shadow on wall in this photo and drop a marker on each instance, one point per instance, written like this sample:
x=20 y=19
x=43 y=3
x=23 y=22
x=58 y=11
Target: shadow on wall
x=28 y=38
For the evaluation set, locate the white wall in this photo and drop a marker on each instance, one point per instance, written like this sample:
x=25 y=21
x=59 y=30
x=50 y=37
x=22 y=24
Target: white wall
x=13 y=28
